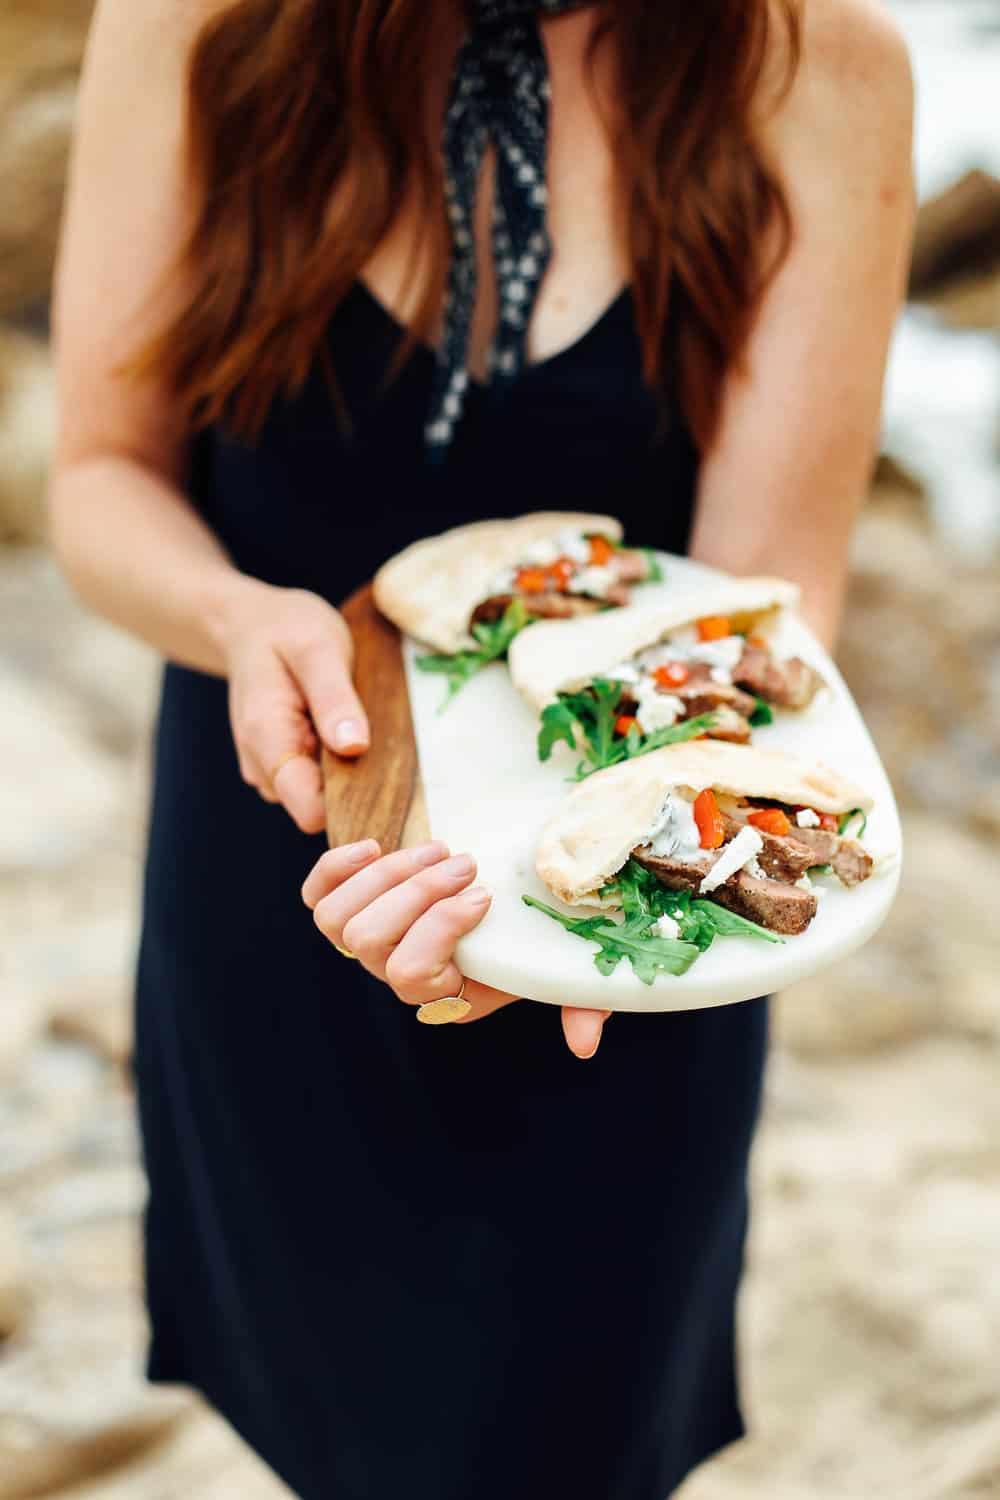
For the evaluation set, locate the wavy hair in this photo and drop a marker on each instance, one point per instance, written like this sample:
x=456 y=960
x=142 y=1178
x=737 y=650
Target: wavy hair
x=284 y=96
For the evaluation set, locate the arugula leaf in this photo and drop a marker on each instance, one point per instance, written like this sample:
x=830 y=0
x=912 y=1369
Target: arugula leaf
x=762 y=714
x=493 y=637
x=647 y=952
x=730 y=924
x=590 y=716
x=655 y=573
x=847 y=818
x=558 y=724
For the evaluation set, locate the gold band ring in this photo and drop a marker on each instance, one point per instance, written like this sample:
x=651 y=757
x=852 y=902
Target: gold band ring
x=448 y=1008
x=289 y=755
x=344 y=952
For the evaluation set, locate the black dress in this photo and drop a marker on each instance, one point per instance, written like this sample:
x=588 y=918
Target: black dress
x=442 y=1263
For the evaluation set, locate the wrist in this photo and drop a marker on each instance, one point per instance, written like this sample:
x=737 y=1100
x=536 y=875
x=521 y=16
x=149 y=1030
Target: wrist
x=232 y=600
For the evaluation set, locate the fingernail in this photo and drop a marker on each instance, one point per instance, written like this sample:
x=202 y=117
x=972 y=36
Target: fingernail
x=460 y=864
x=426 y=854
x=477 y=895
x=358 y=853
x=349 y=735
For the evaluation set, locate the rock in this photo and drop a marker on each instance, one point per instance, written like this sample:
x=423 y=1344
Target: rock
x=22 y=1020
x=96 y=1012
x=13 y=1279
x=39 y=1461
x=41 y=46
x=970 y=304
x=958 y=233
x=27 y=429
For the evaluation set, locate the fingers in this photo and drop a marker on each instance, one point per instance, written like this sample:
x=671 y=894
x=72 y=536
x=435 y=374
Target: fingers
x=270 y=723
x=323 y=668
x=350 y=892
x=377 y=929
x=422 y=967
x=334 y=867
x=582 y=1029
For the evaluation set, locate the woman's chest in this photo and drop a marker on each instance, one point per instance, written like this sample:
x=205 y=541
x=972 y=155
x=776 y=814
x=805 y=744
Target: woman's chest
x=589 y=264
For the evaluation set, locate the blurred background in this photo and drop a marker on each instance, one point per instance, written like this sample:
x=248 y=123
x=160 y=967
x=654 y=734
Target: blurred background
x=871 y=1314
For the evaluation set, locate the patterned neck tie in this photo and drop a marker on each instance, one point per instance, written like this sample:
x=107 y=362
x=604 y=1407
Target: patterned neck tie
x=499 y=94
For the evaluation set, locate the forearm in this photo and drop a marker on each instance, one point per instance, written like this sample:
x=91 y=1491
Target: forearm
x=136 y=551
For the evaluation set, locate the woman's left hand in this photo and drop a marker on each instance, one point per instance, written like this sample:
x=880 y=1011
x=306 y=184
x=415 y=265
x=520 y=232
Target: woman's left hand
x=401 y=914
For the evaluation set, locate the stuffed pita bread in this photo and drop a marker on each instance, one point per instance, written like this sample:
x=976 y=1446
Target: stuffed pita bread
x=703 y=838
x=557 y=563
x=652 y=666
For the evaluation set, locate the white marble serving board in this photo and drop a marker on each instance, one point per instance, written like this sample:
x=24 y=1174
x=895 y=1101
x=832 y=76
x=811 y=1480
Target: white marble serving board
x=488 y=793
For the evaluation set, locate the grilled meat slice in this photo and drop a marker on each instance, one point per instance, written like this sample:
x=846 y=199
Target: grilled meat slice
x=789 y=684
x=783 y=857
x=729 y=725
x=772 y=903
x=851 y=863
x=700 y=694
x=547 y=606
x=629 y=565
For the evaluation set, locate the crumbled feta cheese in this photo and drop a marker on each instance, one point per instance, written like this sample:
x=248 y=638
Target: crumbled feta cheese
x=804 y=883
x=657 y=710
x=594 y=580
x=734 y=856
x=502 y=583
x=807 y=818
x=624 y=672
x=675 y=833
x=541 y=553
x=722 y=656
x=755 y=868
x=574 y=545
x=667 y=927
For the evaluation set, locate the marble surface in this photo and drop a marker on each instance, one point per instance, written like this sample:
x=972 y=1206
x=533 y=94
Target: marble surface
x=488 y=793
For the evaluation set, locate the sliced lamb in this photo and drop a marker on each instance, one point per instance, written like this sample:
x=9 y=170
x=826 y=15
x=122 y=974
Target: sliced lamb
x=851 y=863
x=773 y=904
x=547 y=606
x=629 y=566
x=729 y=725
x=784 y=856
x=700 y=693
x=789 y=684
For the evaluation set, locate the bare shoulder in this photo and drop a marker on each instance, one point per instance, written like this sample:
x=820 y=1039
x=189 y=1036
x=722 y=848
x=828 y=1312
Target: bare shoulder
x=849 y=111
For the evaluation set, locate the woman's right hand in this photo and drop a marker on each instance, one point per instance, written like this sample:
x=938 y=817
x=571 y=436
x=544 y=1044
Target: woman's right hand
x=289 y=657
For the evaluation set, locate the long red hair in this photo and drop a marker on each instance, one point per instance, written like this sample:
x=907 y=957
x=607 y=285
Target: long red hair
x=284 y=95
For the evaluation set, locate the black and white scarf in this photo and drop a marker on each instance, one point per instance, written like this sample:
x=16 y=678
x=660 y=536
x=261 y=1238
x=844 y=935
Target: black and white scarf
x=500 y=94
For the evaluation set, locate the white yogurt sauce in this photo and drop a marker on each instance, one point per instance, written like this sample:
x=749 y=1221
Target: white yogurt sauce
x=675 y=833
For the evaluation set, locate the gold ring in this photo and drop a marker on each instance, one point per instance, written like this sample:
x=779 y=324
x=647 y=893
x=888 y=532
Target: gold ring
x=344 y=952
x=448 y=1008
x=289 y=755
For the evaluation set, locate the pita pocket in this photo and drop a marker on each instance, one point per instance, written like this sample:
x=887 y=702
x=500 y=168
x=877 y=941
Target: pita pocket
x=560 y=563
x=733 y=825
x=704 y=651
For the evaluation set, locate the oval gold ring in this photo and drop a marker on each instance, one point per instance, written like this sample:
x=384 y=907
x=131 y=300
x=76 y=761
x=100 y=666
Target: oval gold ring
x=448 y=1008
x=344 y=952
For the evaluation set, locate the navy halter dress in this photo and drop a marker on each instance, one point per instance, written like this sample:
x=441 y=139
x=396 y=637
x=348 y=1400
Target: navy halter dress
x=449 y=1263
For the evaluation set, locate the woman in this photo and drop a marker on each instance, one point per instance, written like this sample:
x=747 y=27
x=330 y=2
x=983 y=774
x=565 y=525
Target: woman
x=444 y=1263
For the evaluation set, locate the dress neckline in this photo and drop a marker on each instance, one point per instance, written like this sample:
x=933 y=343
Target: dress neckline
x=619 y=301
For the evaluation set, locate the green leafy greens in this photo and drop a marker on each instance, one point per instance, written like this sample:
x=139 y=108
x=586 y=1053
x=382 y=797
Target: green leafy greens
x=591 y=715
x=644 y=900
x=762 y=714
x=847 y=819
x=493 y=637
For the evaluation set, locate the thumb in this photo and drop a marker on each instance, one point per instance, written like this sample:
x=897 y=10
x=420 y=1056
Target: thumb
x=582 y=1029
x=323 y=669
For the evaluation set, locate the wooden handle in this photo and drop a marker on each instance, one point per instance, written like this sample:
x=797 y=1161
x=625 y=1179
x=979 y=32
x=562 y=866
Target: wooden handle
x=377 y=795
